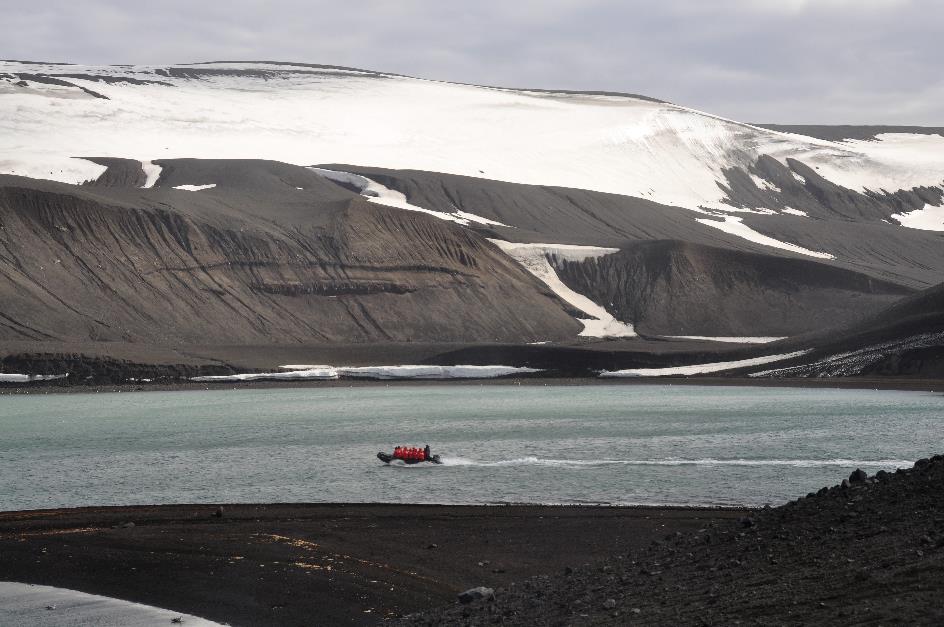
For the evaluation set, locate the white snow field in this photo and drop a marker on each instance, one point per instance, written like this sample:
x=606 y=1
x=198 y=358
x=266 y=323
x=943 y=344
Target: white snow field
x=318 y=373
x=195 y=188
x=719 y=366
x=928 y=218
x=300 y=372
x=8 y=377
x=303 y=115
x=534 y=258
x=45 y=606
x=727 y=339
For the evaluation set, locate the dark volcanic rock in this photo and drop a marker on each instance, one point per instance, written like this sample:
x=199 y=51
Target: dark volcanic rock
x=480 y=593
x=120 y=173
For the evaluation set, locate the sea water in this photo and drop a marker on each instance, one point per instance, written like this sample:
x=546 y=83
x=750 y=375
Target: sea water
x=605 y=444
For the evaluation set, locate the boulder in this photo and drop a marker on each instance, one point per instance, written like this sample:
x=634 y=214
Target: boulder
x=858 y=476
x=480 y=593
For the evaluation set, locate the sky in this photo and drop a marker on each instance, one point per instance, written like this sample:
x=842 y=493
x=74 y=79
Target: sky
x=781 y=61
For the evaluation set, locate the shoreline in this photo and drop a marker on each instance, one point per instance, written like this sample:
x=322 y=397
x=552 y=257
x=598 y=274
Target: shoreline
x=856 y=383
x=6 y=515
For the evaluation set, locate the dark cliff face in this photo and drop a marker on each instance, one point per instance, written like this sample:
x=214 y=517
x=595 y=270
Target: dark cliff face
x=679 y=288
x=279 y=265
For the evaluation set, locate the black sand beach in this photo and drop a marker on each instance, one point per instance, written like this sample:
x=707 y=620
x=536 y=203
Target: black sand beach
x=319 y=564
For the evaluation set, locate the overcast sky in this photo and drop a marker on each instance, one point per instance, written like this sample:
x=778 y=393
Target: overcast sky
x=788 y=61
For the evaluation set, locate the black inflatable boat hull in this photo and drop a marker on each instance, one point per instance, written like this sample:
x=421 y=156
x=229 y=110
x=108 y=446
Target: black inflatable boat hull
x=387 y=458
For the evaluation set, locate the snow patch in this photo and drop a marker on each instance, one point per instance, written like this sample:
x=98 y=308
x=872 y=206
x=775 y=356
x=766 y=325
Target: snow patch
x=29 y=378
x=726 y=339
x=534 y=258
x=795 y=212
x=36 y=165
x=928 y=218
x=32 y=604
x=312 y=374
x=694 y=369
x=152 y=171
x=195 y=188
x=734 y=225
x=764 y=184
x=433 y=372
x=380 y=194
x=326 y=373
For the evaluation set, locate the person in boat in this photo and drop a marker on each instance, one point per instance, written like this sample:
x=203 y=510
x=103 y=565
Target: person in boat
x=412 y=453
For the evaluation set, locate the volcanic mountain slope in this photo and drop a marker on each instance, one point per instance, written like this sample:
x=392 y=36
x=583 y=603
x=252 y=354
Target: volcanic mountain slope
x=843 y=233
x=271 y=254
x=663 y=269
x=906 y=339
x=605 y=211
x=661 y=287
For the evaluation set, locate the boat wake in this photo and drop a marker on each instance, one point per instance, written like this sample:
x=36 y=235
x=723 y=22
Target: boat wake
x=673 y=461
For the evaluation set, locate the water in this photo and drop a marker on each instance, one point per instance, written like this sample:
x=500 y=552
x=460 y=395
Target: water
x=541 y=444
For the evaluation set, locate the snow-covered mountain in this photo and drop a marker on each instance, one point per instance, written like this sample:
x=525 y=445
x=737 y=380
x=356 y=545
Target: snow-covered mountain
x=505 y=215
x=628 y=145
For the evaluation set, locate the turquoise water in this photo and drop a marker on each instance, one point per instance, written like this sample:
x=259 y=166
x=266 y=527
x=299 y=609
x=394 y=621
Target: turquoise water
x=541 y=444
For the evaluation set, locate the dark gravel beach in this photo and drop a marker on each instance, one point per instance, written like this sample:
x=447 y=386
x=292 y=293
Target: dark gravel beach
x=318 y=564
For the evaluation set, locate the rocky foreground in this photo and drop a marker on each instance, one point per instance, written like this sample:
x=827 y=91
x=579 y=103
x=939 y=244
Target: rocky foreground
x=869 y=551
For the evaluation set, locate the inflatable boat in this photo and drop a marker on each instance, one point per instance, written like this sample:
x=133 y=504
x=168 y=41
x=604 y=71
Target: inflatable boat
x=387 y=458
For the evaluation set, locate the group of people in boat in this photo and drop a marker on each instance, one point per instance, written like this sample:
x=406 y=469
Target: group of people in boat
x=412 y=453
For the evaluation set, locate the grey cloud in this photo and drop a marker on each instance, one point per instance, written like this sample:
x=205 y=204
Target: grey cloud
x=822 y=61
